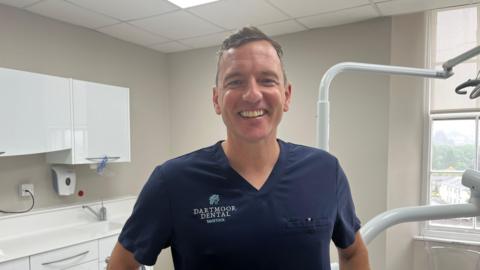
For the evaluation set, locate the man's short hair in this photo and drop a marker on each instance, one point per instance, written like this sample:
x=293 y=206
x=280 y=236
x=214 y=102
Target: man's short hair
x=244 y=36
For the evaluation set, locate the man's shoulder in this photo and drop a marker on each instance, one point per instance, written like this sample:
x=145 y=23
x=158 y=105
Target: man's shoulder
x=304 y=151
x=200 y=157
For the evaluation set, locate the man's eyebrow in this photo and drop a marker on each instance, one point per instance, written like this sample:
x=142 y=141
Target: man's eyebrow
x=270 y=74
x=232 y=75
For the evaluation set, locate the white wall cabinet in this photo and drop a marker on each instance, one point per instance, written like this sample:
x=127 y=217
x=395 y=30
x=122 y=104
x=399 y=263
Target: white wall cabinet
x=19 y=264
x=101 y=125
x=35 y=113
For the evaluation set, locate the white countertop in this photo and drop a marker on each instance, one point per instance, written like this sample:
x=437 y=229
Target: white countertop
x=37 y=232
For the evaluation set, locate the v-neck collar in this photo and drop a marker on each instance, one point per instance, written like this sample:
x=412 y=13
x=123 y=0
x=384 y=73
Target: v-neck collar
x=239 y=182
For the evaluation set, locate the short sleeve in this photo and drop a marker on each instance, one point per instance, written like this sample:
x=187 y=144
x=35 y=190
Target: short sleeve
x=346 y=223
x=149 y=228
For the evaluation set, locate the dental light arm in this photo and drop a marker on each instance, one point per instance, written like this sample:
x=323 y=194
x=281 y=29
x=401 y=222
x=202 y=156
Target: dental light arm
x=385 y=220
x=448 y=66
x=323 y=107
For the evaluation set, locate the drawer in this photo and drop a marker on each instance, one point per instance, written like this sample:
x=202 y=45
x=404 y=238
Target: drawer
x=19 y=264
x=65 y=257
x=93 y=265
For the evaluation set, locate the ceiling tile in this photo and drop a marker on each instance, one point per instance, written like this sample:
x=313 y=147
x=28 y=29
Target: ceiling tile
x=339 y=17
x=132 y=34
x=169 y=47
x=232 y=14
x=177 y=25
x=207 y=40
x=66 y=12
x=280 y=28
x=311 y=7
x=408 y=6
x=18 y=3
x=127 y=9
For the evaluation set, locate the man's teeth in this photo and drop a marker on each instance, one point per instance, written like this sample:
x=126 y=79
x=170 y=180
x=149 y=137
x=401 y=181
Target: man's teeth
x=252 y=114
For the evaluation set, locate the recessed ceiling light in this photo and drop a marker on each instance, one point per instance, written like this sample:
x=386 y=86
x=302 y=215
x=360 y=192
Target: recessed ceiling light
x=190 y=3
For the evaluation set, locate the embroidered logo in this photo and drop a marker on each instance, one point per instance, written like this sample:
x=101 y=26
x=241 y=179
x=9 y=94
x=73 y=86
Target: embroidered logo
x=216 y=212
x=214 y=199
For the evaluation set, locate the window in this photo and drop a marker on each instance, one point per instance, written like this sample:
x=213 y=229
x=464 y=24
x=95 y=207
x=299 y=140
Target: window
x=454 y=119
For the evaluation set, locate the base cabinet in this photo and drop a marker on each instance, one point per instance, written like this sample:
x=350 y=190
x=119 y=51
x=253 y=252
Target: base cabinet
x=105 y=247
x=65 y=258
x=91 y=255
x=19 y=264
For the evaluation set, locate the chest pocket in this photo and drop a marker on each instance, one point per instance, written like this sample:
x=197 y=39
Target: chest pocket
x=307 y=224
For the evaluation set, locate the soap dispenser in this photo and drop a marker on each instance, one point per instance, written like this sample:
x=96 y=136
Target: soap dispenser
x=64 y=180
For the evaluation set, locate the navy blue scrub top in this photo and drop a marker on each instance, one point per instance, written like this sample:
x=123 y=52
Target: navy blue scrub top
x=212 y=218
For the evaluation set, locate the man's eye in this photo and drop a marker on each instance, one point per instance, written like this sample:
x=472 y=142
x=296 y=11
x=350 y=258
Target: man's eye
x=268 y=81
x=234 y=83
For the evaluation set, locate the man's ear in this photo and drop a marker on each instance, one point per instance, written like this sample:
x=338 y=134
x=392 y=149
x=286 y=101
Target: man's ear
x=288 y=97
x=216 y=106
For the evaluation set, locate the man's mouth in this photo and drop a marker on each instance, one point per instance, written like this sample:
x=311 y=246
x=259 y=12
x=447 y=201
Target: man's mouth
x=252 y=113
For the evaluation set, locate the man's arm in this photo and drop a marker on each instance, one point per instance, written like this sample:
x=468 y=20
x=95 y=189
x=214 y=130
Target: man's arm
x=354 y=257
x=122 y=259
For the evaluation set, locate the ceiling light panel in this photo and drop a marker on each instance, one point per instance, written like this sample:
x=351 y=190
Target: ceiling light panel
x=190 y=3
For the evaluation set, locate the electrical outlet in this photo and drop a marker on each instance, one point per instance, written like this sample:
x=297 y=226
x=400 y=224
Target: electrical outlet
x=24 y=187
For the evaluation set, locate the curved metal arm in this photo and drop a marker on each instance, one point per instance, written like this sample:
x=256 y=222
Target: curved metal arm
x=323 y=108
x=418 y=213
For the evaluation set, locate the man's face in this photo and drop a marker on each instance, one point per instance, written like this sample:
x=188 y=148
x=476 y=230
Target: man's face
x=251 y=95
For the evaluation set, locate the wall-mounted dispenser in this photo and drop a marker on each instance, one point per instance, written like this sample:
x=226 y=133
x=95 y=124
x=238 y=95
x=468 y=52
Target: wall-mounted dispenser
x=64 y=180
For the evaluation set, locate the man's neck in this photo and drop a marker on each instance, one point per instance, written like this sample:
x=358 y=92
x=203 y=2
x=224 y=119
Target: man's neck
x=254 y=161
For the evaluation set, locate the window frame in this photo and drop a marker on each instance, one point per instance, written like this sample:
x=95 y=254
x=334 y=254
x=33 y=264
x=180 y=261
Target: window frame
x=449 y=232
x=427 y=229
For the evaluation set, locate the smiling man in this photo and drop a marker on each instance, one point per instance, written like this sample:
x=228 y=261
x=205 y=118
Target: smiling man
x=251 y=201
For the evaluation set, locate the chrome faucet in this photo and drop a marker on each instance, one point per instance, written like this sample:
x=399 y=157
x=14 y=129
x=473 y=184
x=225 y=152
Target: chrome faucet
x=102 y=213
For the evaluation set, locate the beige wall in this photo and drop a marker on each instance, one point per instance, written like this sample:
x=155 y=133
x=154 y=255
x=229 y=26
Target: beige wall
x=359 y=105
x=38 y=44
x=406 y=115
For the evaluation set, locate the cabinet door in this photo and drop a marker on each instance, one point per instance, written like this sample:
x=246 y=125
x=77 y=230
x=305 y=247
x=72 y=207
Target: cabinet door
x=35 y=113
x=105 y=247
x=19 y=264
x=101 y=122
x=66 y=257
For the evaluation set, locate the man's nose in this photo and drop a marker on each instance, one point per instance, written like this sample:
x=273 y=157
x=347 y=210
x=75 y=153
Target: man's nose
x=253 y=93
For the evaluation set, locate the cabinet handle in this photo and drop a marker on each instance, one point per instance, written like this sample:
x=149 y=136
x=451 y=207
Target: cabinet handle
x=100 y=158
x=1 y=152
x=66 y=259
x=107 y=260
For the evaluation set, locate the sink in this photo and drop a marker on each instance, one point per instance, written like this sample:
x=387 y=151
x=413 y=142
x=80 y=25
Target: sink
x=99 y=228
